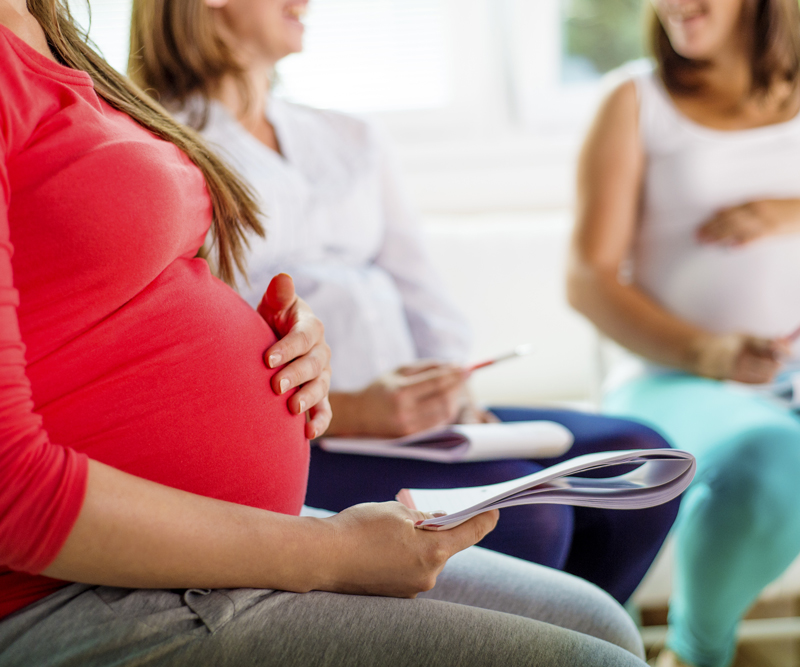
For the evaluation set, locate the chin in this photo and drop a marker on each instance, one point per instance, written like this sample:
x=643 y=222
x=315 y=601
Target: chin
x=693 y=52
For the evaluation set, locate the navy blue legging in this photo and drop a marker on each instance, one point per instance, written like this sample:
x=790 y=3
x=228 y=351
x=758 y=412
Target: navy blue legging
x=610 y=548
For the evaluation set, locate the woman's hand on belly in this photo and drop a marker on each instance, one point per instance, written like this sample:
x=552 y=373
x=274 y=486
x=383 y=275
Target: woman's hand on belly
x=302 y=350
x=742 y=224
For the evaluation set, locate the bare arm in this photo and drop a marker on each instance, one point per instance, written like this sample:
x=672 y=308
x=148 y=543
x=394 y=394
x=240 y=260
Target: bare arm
x=610 y=176
x=135 y=533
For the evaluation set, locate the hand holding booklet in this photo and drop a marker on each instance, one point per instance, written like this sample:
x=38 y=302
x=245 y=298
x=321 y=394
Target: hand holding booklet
x=661 y=475
x=465 y=442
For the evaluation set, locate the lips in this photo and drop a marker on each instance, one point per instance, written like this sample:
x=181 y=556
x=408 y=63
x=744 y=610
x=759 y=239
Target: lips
x=683 y=12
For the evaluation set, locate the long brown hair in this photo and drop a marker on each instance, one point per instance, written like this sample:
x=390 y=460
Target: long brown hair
x=234 y=209
x=774 y=45
x=177 y=53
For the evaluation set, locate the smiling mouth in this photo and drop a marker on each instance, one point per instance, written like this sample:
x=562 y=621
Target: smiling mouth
x=681 y=13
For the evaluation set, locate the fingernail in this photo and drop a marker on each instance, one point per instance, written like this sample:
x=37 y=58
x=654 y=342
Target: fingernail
x=274 y=360
x=302 y=407
x=283 y=385
x=312 y=434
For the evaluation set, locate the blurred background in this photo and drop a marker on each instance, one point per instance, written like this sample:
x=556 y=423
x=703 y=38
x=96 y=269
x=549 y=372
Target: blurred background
x=487 y=102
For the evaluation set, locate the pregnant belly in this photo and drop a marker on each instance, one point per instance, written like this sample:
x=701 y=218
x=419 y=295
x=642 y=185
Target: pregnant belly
x=750 y=289
x=172 y=387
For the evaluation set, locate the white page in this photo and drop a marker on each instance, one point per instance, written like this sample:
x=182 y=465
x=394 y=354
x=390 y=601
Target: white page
x=663 y=475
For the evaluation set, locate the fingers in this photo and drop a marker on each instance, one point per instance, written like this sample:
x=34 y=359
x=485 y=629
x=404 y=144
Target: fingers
x=309 y=395
x=280 y=293
x=733 y=226
x=419 y=367
x=470 y=532
x=434 y=381
x=280 y=305
x=310 y=366
x=320 y=418
x=305 y=332
x=758 y=362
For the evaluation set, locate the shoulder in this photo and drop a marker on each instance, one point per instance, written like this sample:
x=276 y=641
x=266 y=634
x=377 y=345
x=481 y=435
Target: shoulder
x=614 y=137
x=27 y=90
x=618 y=112
x=13 y=87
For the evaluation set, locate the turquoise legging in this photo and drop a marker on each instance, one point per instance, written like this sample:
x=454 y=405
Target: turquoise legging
x=739 y=522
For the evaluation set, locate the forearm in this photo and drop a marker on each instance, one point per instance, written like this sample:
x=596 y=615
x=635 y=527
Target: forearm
x=347 y=418
x=135 y=533
x=631 y=318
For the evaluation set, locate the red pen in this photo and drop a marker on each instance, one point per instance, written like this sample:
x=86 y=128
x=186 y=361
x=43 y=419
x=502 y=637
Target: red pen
x=518 y=351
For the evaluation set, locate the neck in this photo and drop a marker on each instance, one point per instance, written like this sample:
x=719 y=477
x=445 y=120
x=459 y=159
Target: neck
x=729 y=76
x=248 y=102
x=17 y=6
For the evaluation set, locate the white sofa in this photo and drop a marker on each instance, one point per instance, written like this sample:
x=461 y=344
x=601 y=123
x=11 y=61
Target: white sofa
x=506 y=272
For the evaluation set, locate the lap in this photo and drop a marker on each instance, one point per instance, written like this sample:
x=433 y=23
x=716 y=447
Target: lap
x=513 y=617
x=700 y=415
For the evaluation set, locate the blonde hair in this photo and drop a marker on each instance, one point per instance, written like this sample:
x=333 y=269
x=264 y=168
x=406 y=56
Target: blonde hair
x=234 y=209
x=177 y=54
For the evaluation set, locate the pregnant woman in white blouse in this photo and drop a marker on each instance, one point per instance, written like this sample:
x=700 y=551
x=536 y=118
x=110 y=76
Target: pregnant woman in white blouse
x=338 y=222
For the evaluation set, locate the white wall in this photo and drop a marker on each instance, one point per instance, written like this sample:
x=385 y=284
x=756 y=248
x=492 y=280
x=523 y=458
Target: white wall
x=506 y=271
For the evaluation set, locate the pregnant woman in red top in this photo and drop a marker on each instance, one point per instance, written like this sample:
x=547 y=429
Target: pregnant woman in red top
x=144 y=451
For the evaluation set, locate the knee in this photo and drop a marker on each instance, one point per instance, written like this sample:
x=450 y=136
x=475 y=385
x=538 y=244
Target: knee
x=755 y=482
x=599 y=615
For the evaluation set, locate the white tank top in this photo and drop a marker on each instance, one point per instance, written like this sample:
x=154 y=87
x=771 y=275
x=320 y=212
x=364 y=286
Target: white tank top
x=691 y=172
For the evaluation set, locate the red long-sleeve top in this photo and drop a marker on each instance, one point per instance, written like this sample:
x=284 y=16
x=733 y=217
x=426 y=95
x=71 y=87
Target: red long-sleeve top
x=116 y=344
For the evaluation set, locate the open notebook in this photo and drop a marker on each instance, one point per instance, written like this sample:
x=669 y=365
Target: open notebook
x=661 y=475
x=465 y=442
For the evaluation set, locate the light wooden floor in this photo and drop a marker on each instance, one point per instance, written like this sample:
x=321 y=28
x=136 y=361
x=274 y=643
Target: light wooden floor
x=769 y=637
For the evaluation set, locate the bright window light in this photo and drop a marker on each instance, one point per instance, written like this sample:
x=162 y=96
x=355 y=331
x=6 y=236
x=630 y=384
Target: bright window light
x=110 y=27
x=372 y=55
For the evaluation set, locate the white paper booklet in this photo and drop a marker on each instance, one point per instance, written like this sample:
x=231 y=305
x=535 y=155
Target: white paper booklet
x=663 y=475
x=465 y=442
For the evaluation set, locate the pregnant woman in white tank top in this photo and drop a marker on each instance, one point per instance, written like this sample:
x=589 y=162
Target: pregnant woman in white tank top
x=687 y=252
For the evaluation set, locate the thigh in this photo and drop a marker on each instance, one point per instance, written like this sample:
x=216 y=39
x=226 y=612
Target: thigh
x=95 y=627
x=489 y=580
x=697 y=414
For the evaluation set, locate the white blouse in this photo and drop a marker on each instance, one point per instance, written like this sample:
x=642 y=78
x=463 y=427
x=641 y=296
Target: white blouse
x=339 y=223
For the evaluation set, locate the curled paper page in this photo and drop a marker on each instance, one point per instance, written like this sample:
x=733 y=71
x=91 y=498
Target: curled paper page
x=659 y=476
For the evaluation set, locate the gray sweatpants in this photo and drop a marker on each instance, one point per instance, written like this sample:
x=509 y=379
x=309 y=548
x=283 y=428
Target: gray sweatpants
x=486 y=609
